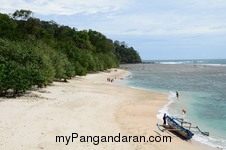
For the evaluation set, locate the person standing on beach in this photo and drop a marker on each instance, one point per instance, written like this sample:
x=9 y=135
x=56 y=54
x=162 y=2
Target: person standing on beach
x=164 y=119
x=177 y=94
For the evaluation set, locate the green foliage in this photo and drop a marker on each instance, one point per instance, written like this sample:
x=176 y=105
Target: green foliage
x=126 y=54
x=13 y=69
x=7 y=27
x=35 y=52
x=24 y=64
x=100 y=42
x=22 y=14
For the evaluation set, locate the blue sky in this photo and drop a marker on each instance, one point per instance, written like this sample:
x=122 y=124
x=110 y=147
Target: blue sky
x=157 y=29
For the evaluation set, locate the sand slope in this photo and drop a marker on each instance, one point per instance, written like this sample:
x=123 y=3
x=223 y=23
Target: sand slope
x=88 y=106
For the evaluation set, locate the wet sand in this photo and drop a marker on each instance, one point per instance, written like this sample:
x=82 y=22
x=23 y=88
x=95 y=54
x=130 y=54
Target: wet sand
x=88 y=106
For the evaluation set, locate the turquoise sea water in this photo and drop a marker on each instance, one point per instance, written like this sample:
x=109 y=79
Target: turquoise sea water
x=202 y=92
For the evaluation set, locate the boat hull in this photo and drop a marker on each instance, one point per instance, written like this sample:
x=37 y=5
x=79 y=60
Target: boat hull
x=177 y=128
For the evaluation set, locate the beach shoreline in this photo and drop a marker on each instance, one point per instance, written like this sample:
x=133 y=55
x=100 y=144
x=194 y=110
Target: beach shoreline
x=87 y=105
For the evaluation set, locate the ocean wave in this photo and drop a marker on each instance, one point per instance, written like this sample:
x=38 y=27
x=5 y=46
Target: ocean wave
x=165 y=108
x=192 y=95
x=209 y=62
x=213 y=64
x=175 y=62
x=210 y=141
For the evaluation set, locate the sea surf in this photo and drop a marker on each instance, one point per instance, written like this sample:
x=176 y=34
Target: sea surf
x=201 y=85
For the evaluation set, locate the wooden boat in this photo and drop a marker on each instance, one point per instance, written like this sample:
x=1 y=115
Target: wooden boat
x=180 y=127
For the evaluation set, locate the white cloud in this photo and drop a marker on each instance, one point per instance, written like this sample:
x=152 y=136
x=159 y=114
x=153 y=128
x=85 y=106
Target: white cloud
x=164 y=24
x=139 y=22
x=205 y=3
x=60 y=7
x=124 y=17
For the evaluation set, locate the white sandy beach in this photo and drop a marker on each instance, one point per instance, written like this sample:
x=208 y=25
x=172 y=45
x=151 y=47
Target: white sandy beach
x=88 y=106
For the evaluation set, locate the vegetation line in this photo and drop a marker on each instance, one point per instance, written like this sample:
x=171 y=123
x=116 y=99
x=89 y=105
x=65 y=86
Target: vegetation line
x=35 y=52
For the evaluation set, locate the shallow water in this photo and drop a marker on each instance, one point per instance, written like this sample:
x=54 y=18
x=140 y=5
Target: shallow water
x=202 y=93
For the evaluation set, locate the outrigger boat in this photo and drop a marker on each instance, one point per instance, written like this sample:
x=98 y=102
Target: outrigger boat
x=179 y=126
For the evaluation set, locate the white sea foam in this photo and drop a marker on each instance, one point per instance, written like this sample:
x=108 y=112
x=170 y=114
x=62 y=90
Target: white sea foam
x=210 y=141
x=175 y=62
x=173 y=106
x=217 y=65
x=200 y=61
x=193 y=62
x=165 y=108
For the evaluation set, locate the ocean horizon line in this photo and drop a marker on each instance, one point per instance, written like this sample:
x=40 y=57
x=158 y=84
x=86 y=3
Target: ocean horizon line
x=213 y=62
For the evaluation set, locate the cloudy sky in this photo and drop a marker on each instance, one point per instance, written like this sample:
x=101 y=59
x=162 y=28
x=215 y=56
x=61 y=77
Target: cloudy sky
x=157 y=29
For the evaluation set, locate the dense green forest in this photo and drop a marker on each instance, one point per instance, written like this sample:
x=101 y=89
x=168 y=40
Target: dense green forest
x=35 y=52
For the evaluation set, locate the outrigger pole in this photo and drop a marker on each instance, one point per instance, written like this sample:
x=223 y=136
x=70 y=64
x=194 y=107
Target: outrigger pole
x=180 y=126
x=204 y=133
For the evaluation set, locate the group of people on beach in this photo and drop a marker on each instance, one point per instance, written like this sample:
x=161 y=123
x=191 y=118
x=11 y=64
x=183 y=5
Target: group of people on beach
x=110 y=80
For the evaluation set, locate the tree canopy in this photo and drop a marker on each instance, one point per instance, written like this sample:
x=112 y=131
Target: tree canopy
x=126 y=54
x=35 y=52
